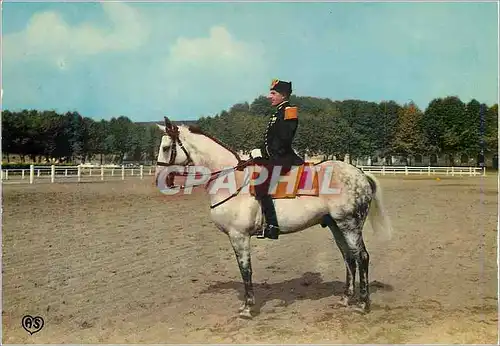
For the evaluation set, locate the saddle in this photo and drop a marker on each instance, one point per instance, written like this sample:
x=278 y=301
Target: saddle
x=295 y=181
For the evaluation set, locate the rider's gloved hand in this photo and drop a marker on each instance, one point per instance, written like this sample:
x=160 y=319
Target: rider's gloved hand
x=255 y=153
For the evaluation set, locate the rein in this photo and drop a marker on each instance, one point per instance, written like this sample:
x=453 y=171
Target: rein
x=172 y=131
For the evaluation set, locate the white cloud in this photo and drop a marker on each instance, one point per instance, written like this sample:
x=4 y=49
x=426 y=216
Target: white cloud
x=219 y=48
x=50 y=38
x=186 y=75
x=217 y=62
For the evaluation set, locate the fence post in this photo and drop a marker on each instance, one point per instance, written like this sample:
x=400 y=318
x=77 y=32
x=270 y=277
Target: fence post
x=123 y=172
x=22 y=174
x=102 y=172
x=383 y=170
x=52 y=173
x=452 y=171
x=79 y=174
x=406 y=170
x=32 y=174
x=142 y=171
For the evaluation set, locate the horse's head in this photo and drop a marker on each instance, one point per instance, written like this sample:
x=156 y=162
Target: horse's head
x=196 y=148
x=168 y=154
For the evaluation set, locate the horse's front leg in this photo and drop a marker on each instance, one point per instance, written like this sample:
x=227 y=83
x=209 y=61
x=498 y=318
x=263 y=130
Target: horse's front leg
x=241 y=245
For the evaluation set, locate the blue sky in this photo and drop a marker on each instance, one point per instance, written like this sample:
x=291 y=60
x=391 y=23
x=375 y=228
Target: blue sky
x=190 y=60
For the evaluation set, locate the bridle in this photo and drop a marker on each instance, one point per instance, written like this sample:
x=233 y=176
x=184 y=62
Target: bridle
x=172 y=131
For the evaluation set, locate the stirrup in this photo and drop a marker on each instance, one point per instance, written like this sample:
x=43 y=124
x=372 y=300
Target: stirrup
x=265 y=232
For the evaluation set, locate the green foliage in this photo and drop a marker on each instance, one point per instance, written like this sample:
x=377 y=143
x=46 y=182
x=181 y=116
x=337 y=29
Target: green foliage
x=45 y=134
x=490 y=127
x=408 y=135
x=326 y=127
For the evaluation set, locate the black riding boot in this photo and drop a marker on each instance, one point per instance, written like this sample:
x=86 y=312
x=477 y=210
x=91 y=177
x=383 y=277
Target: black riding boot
x=271 y=229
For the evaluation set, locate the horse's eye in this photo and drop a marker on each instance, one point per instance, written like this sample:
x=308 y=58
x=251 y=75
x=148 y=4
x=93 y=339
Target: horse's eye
x=165 y=149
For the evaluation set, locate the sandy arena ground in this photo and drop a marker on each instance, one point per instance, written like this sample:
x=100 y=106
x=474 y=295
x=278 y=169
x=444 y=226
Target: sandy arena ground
x=117 y=262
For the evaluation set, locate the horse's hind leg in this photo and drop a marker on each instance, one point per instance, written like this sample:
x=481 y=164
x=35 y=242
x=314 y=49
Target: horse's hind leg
x=356 y=244
x=348 y=236
x=349 y=260
x=241 y=246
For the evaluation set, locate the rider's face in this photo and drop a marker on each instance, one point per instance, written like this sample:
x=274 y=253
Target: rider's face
x=275 y=97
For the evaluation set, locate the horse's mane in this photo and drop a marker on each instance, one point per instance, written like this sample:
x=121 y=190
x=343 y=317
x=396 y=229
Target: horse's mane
x=197 y=130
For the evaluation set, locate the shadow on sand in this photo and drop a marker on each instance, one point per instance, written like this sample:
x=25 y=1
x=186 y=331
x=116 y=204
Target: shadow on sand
x=308 y=286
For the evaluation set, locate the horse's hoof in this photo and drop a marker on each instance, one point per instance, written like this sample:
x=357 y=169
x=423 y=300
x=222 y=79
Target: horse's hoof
x=361 y=308
x=246 y=314
x=338 y=306
x=344 y=301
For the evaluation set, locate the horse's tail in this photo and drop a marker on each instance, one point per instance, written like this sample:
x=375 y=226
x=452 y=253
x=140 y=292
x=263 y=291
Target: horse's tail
x=378 y=217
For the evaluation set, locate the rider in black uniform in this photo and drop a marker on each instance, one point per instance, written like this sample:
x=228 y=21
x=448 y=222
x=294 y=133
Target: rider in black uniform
x=276 y=149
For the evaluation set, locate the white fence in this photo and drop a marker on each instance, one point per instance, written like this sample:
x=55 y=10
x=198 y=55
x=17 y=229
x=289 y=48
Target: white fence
x=88 y=174
x=58 y=174
x=429 y=170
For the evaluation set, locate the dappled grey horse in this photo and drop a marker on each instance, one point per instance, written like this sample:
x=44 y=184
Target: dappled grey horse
x=239 y=214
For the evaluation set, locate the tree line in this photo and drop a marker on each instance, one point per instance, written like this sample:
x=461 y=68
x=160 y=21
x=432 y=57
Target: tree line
x=46 y=136
x=355 y=127
x=360 y=128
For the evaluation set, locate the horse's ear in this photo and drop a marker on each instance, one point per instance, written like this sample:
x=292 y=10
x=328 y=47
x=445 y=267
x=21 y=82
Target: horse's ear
x=162 y=127
x=168 y=123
